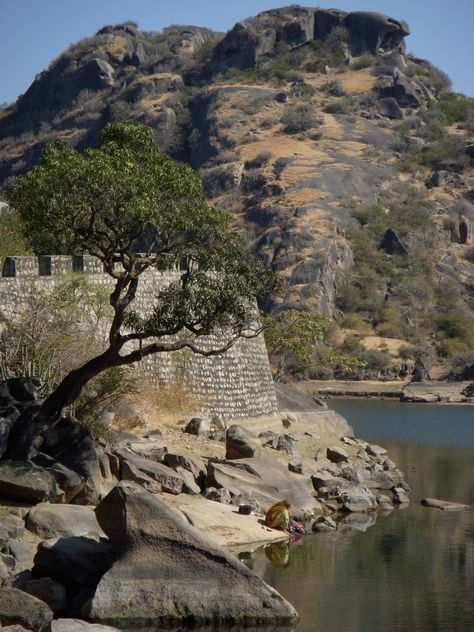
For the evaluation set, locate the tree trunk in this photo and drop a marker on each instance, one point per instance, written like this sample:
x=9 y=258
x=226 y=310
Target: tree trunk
x=26 y=436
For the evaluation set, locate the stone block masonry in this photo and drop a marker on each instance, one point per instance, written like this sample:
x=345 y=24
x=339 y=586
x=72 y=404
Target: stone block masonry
x=236 y=384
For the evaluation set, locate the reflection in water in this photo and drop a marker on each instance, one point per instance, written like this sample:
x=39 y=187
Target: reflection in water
x=278 y=553
x=413 y=570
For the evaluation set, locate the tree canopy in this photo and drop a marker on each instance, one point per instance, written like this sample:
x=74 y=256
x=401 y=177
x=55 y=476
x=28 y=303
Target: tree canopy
x=134 y=208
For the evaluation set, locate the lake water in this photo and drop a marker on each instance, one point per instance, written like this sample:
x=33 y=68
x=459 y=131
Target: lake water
x=413 y=569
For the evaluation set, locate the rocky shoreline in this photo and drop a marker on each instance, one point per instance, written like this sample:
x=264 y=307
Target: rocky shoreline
x=415 y=392
x=140 y=538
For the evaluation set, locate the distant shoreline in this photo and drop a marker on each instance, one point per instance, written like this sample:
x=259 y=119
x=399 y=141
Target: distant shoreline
x=417 y=392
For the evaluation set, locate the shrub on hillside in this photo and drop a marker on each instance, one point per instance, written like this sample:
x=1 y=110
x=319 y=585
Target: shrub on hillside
x=299 y=118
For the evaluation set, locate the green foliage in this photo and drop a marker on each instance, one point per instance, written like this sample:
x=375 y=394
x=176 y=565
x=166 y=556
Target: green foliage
x=290 y=337
x=123 y=194
x=457 y=108
x=12 y=239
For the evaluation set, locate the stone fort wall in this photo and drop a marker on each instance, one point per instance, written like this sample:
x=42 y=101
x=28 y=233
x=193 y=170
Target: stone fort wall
x=235 y=384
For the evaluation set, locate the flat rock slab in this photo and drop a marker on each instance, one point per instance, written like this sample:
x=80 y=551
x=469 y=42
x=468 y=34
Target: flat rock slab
x=167 y=572
x=444 y=505
x=53 y=521
x=223 y=523
x=266 y=480
x=76 y=625
x=22 y=481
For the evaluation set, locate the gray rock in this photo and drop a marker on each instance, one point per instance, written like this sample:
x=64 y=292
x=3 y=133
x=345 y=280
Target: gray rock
x=324 y=523
x=189 y=485
x=75 y=562
x=337 y=455
x=266 y=480
x=198 y=426
x=375 y=450
x=288 y=420
x=130 y=472
x=154 y=434
x=358 y=521
x=327 y=480
x=14 y=526
x=153 y=450
x=17 y=607
x=169 y=480
x=54 y=521
x=358 y=500
x=389 y=107
x=24 y=481
x=444 y=505
x=168 y=571
x=4 y=572
x=384 y=502
x=247 y=500
x=221 y=495
x=49 y=591
x=22 y=554
x=241 y=443
x=399 y=496
x=269 y=439
x=287 y=443
x=76 y=625
x=193 y=464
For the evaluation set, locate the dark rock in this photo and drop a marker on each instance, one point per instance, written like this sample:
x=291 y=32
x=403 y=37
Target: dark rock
x=75 y=562
x=5 y=427
x=130 y=472
x=465 y=230
x=70 y=482
x=241 y=443
x=281 y=97
x=24 y=481
x=240 y=500
x=71 y=444
x=392 y=244
x=198 y=426
x=17 y=607
x=288 y=420
x=326 y=480
x=295 y=467
x=54 y=521
x=438 y=178
x=389 y=107
x=189 y=485
x=154 y=434
x=168 y=571
x=400 y=89
x=336 y=455
x=469 y=390
x=287 y=443
x=52 y=593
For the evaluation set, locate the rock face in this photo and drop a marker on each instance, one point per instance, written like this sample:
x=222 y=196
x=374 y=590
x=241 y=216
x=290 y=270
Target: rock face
x=54 y=521
x=168 y=572
x=23 y=481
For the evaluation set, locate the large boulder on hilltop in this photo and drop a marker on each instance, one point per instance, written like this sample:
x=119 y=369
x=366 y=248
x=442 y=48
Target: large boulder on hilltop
x=375 y=32
x=168 y=572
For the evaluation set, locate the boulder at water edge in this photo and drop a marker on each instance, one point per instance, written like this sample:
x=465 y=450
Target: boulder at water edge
x=168 y=572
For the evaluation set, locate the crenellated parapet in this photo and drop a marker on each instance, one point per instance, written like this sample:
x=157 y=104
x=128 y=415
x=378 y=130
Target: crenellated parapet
x=235 y=384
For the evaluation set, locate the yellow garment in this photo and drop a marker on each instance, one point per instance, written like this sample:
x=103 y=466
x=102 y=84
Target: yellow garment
x=277 y=516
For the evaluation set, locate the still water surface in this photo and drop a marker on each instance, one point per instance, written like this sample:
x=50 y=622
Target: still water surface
x=413 y=569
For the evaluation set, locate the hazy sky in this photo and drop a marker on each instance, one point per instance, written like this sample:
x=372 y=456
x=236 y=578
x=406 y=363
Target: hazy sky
x=34 y=32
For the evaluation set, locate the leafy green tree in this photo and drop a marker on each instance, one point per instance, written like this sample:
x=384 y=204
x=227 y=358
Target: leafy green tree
x=12 y=240
x=290 y=338
x=123 y=196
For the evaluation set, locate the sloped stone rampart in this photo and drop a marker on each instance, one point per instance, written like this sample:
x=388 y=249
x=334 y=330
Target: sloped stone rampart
x=235 y=384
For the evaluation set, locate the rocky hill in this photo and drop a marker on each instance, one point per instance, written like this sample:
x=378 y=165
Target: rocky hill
x=346 y=163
